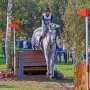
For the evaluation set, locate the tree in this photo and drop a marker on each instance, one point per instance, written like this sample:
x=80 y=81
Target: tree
x=3 y=5
x=8 y=32
x=74 y=31
x=30 y=20
x=58 y=9
x=27 y=13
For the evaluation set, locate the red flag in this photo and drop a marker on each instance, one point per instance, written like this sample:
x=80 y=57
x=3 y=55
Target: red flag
x=83 y=12
x=12 y=25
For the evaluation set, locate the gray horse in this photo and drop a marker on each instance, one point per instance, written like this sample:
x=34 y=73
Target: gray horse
x=49 y=46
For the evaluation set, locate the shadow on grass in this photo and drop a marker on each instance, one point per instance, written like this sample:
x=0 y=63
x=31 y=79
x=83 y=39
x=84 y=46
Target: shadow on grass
x=66 y=80
x=63 y=63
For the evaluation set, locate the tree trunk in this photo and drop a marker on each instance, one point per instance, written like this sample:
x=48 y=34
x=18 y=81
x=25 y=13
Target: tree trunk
x=8 y=32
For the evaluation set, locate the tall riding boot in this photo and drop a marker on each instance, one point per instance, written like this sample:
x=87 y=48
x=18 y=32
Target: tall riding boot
x=40 y=40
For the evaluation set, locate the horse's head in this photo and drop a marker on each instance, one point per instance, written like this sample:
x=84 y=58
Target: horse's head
x=52 y=33
x=54 y=26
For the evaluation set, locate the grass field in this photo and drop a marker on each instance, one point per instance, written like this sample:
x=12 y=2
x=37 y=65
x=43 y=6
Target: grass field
x=15 y=86
x=66 y=69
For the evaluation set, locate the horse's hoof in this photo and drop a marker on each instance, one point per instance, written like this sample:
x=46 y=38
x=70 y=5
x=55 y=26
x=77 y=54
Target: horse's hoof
x=52 y=78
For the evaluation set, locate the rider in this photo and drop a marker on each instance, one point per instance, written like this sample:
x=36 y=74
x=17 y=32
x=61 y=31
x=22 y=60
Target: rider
x=46 y=19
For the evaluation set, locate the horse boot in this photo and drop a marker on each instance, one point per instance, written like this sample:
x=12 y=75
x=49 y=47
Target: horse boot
x=51 y=77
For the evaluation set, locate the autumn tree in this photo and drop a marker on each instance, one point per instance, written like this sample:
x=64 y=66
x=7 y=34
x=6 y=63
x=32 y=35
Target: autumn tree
x=74 y=28
x=8 y=32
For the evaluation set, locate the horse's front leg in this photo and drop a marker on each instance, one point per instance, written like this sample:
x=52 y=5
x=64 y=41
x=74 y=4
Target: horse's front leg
x=47 y=61
x=52 y=59
x=52 y=66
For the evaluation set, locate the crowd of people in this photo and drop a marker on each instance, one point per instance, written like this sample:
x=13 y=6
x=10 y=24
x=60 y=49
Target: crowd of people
x=62 y=51
x=23 y=43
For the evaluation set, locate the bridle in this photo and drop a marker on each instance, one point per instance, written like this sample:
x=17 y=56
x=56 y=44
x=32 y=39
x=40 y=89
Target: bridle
x=49 y=32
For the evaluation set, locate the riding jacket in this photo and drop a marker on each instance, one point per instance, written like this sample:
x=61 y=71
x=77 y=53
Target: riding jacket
x=46 y=20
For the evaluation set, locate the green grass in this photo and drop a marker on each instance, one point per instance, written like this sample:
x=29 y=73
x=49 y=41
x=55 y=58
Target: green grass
x=19 y=86
x=66 y=69
x=2 y=63
x=2 y=60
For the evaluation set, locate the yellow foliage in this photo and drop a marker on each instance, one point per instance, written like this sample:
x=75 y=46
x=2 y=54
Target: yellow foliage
x=17 y=21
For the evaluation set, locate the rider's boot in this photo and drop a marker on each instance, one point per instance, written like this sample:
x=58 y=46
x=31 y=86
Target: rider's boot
x=40 y=39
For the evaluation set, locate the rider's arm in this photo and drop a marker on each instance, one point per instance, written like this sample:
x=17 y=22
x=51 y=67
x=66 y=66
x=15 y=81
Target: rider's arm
x=43 y=20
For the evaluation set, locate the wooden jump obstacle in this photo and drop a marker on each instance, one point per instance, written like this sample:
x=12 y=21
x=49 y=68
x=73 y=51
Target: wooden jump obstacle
x=80 y=75
x=28 y=61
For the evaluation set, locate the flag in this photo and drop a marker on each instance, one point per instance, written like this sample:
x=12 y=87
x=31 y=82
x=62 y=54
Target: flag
x=12 y=25
x=83 y=12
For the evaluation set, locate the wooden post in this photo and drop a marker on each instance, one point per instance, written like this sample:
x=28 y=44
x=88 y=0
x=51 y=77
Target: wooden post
x=15 y=69
x=21 y=64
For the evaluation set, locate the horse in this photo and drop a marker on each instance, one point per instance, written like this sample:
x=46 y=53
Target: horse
x=49 y=46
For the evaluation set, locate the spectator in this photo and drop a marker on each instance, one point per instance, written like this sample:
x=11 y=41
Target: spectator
x=59 y=52
x=65 y=56
x=84 y=54
x=29 y=45
x=24 y=43
x=3 y=48
x=17 y=43
x=73 y=57
x=20 y=43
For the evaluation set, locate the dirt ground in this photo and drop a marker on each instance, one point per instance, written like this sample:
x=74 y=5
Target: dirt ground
x=41 y=81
